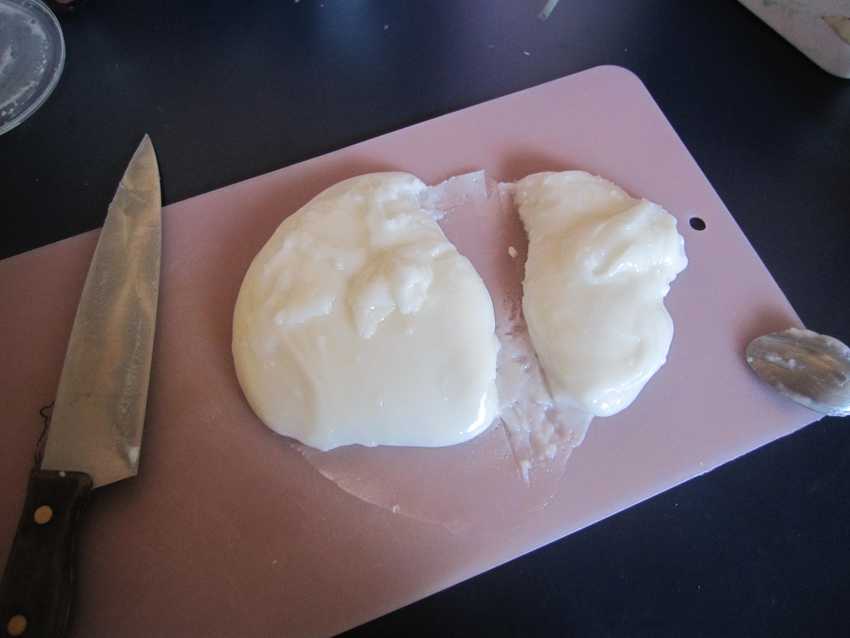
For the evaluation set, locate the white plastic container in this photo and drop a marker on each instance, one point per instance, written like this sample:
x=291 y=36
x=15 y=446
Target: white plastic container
x=820 y=29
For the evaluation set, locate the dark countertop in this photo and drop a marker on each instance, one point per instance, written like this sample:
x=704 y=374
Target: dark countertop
x=759 y=547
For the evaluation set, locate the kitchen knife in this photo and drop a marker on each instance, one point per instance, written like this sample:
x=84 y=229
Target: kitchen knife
x=95 y=431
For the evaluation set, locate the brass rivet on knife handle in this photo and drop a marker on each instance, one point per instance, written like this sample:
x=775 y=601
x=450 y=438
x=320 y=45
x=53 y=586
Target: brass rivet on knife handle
x=43 y=514
x=17 y=625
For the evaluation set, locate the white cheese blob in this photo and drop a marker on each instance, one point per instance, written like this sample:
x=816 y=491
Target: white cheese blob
x=360 y=323
x=599 y=266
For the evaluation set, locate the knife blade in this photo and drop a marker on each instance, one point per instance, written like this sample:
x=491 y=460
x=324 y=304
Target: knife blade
x=95 y=432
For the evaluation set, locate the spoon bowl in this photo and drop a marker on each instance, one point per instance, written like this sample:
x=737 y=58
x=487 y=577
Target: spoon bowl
x=810 y=368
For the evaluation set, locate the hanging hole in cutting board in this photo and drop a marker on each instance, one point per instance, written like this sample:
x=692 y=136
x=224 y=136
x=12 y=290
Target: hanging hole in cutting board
x=697 y=223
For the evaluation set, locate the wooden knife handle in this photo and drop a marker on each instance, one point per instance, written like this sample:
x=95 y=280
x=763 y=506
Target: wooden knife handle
x=38 y=583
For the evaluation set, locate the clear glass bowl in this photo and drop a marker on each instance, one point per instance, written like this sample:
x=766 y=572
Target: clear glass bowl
x=32 y=56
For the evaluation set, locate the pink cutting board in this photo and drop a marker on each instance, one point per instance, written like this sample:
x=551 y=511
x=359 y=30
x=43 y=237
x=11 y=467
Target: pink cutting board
x=229 y=531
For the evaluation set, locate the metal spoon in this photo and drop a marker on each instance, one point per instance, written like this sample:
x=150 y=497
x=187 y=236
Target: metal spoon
x=810 y=368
